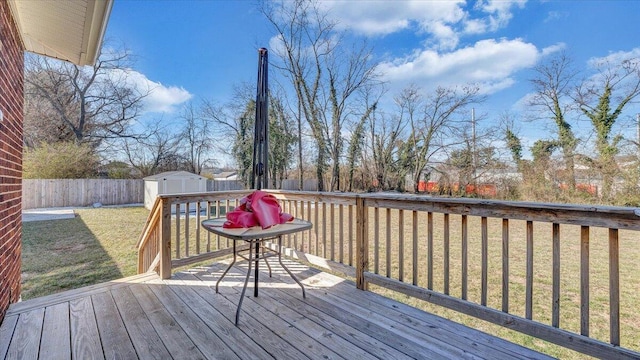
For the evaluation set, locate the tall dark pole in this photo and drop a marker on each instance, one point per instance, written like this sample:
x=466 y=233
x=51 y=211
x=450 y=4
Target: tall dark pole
x=259 y=178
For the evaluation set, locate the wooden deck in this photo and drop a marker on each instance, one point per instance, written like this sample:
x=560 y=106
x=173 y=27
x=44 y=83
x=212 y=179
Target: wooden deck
x=143 y=317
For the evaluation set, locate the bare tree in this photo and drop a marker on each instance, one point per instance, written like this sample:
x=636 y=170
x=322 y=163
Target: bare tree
x=153 y=153
x=553 y=85
x=324 y=75
x=304 y=40
x=384 y=134
x=197 y=139
x=431 y=120
x=347 y=74
x=40 y=126
x=617 y=83
x=475 y=156
x=356 y=143
x=512 y=139
x=92 y=103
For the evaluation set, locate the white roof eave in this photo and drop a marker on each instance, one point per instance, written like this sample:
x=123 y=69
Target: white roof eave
x=67 y=30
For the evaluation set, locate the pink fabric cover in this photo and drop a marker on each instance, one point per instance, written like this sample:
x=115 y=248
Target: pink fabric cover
x=257 y=208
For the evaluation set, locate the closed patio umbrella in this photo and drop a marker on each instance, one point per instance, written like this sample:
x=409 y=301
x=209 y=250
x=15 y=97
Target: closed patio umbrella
x=259 y=175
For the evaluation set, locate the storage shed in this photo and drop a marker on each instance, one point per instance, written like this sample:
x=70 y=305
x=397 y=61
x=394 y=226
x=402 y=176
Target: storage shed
x=172 y=182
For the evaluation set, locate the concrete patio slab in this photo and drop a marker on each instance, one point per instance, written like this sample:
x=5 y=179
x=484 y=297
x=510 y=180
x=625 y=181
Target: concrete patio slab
x=47 y=214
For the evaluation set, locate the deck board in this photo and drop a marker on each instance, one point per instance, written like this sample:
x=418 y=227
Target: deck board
x=145 y=339
x=261 y=334
x=28 y=330
x=179 y=345
x=113 y=333
x=85 y=338
x=56 y=322
x=208 y=341
x=183 y=318
x=6 y=333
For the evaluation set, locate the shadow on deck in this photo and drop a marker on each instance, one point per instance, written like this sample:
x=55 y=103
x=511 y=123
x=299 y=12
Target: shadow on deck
x=183 y=318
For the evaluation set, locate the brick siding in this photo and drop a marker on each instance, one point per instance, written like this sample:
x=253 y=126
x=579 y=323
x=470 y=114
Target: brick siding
x=11 y=105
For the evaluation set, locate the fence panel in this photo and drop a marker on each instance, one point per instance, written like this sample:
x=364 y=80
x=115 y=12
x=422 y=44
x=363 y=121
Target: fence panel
x=224 y=185
x=40 y=193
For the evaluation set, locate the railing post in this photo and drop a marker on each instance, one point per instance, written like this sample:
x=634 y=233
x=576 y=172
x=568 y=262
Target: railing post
x=362 y=243
x=165 y=239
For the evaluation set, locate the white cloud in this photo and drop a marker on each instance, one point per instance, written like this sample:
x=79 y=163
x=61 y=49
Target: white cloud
x=488 y=63
x=499 y=12
x=614 y=58
x=386 y=17
x=160 y=98
x=553 y=49
x=442 y=21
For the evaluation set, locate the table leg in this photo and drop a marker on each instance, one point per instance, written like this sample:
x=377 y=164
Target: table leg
x=265 y=259
x=304 y=295
x=228 y=267
x=246 y=280
x=257 y=260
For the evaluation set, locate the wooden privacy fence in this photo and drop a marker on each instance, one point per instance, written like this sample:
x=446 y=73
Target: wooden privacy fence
x=42 y=193
x=566 y=274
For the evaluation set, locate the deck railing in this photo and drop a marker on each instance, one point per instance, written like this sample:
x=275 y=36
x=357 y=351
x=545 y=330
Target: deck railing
x=530 y=267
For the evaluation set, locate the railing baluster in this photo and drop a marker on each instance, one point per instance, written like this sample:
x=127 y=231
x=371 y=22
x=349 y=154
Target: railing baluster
x=362 y=243
x=388 y=244
x=310 y=231
x=446 y=253
x=505 y=265
x=614 y=287
x=465 y=258
x=302 y=237
x=324 y=230
x=555 y=294
x=350 y=235
x=341 y=232
x=177 y=231
x=315 y=227
x=376 y=239
x=287 y=208
x=414 y=226
x=226 y=210
x=198 y=227
x=208 y=232
x=529 y=276
x=401 y=245
x=218 y=246
x=485 y=262
x=584 y=280
x=187 y=210
x=430 y=250
x=333 y=231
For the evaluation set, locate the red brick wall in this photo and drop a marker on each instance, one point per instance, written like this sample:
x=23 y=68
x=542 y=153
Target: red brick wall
x=11 y=102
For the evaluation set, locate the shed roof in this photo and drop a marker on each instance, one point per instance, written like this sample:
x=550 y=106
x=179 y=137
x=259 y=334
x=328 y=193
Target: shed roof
x=172 y=174
x=67 y=30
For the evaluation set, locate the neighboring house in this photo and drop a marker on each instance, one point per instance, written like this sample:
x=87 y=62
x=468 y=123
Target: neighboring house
x=67 y=30
x=226 y=176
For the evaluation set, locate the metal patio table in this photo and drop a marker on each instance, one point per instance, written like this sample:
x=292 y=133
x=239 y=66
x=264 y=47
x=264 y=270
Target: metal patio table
x=256 y=237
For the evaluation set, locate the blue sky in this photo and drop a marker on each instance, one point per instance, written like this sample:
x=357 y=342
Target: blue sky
x=191 y=50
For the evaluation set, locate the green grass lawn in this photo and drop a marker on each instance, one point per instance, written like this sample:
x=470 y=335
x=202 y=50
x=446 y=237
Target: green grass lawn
x=97 y=246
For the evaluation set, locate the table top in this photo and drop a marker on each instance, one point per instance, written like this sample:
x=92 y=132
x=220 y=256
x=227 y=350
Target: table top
x=256 y=232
